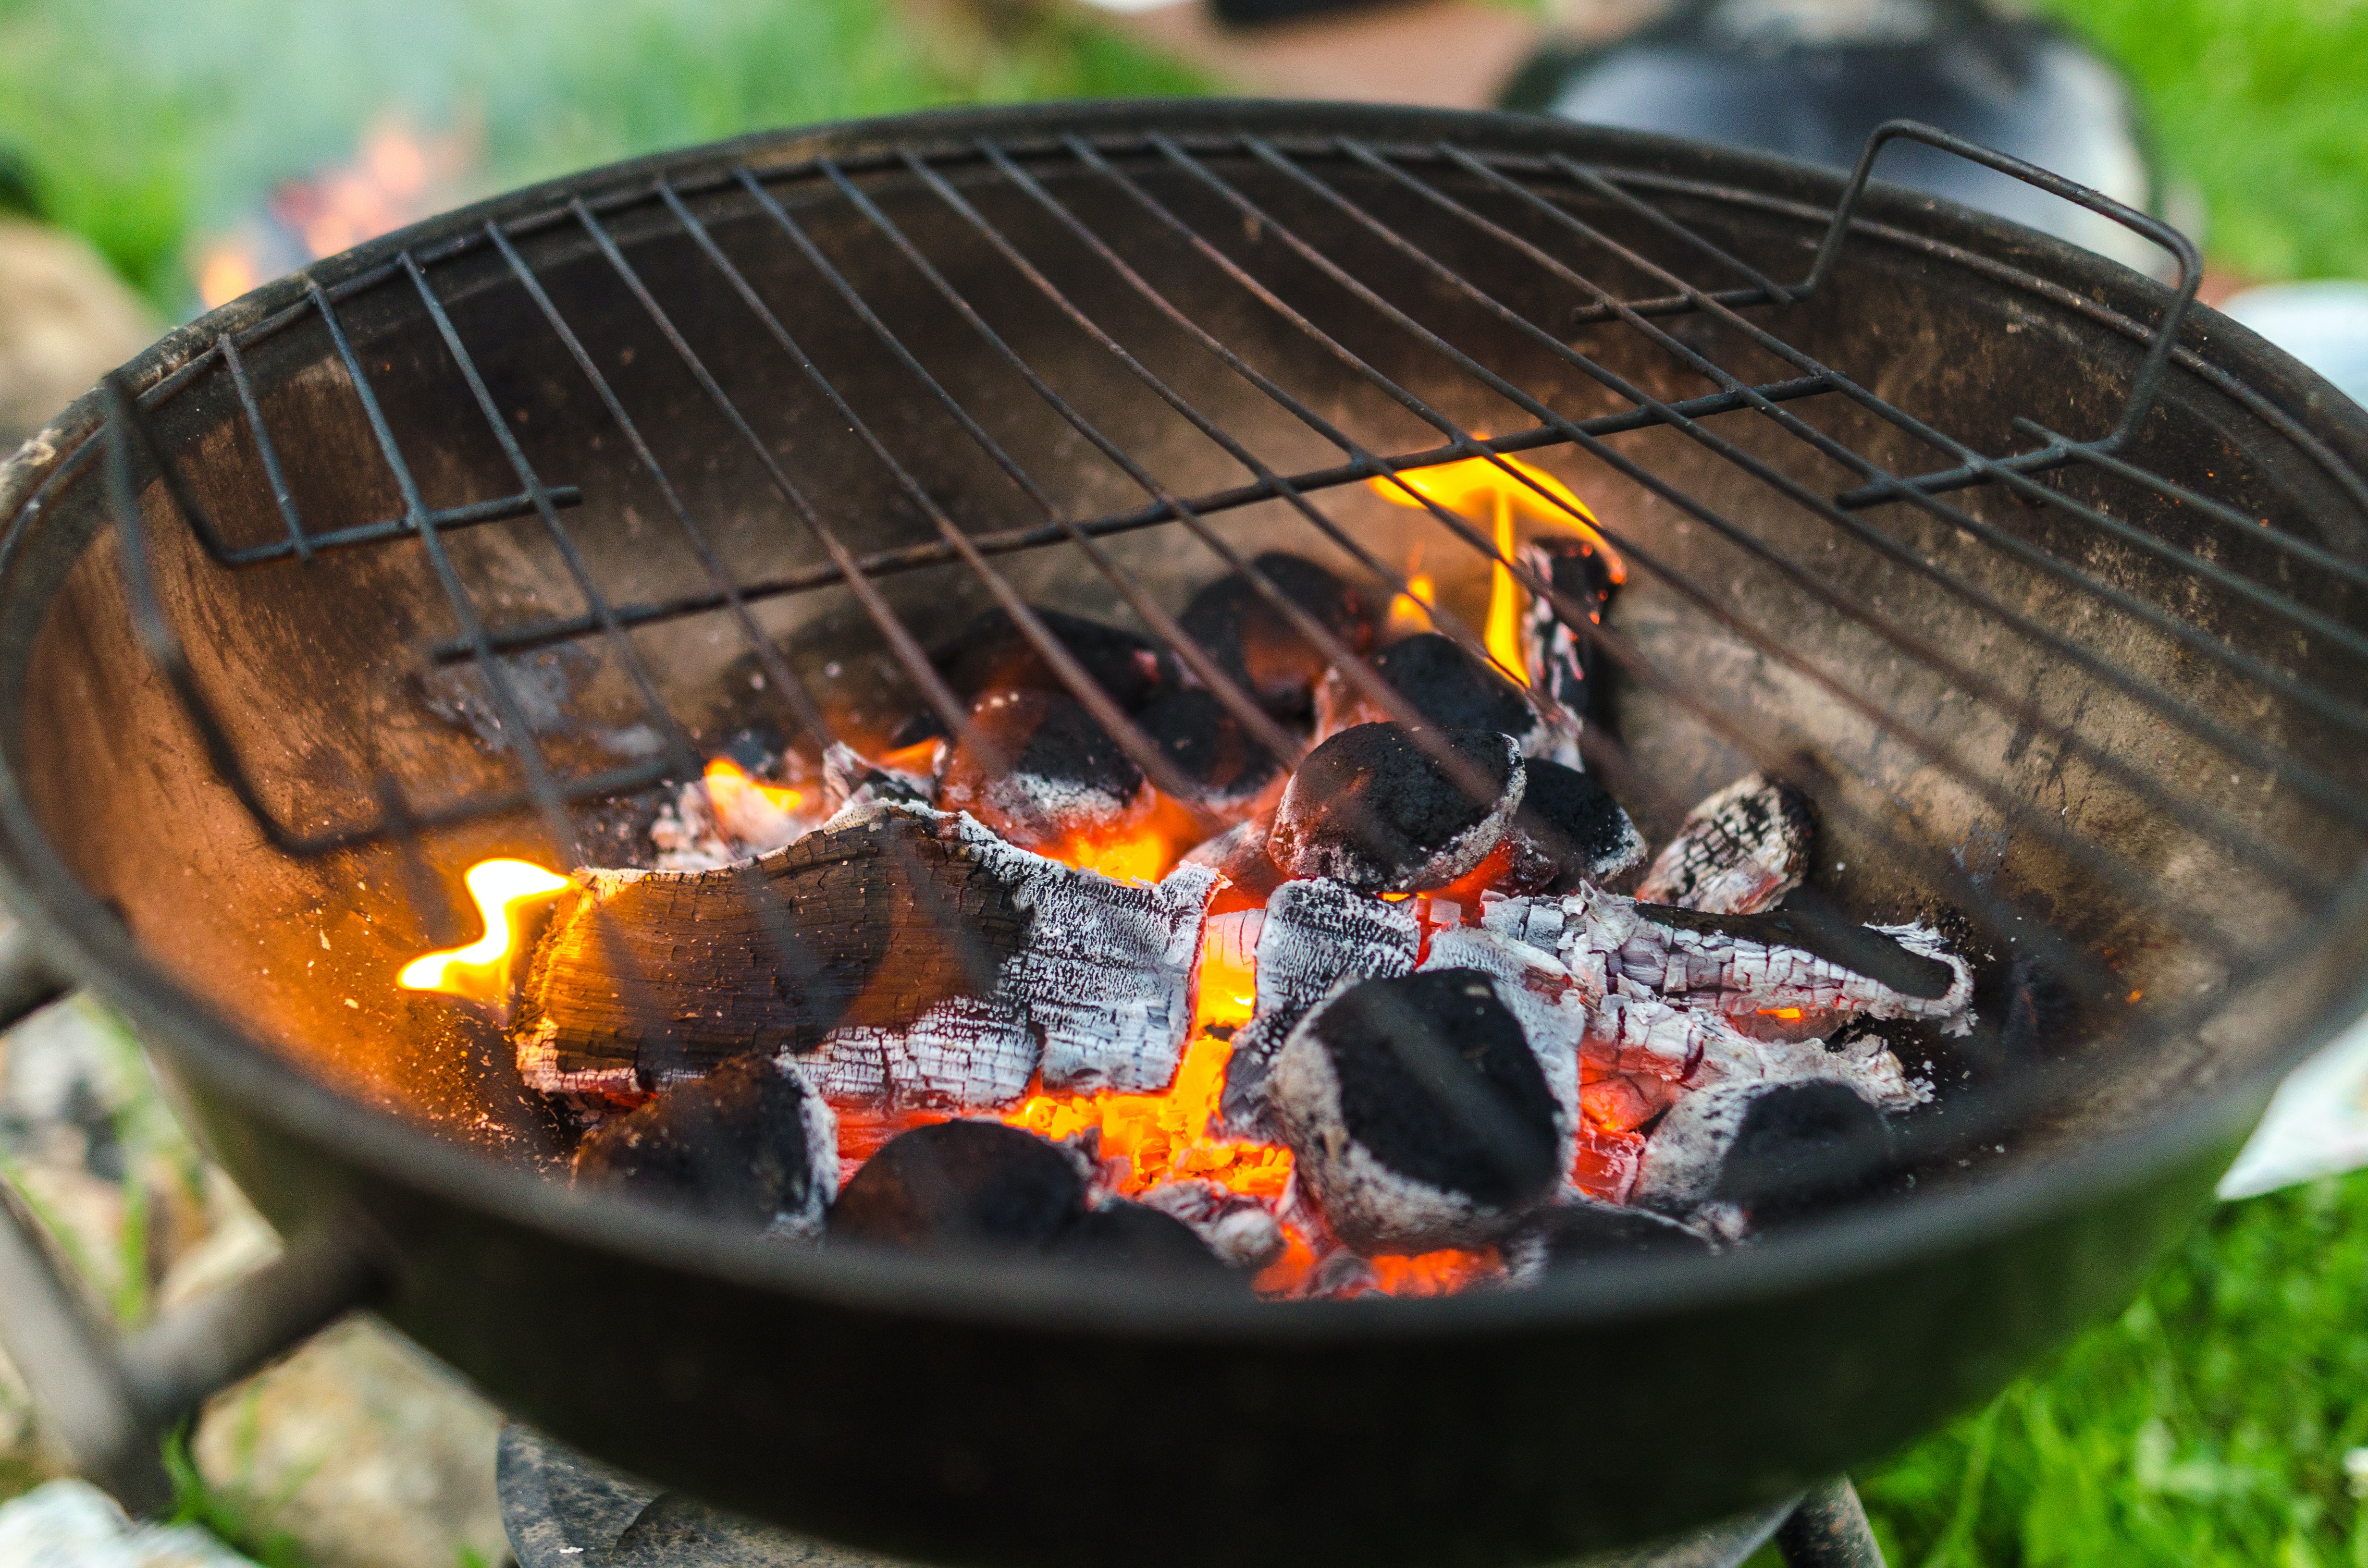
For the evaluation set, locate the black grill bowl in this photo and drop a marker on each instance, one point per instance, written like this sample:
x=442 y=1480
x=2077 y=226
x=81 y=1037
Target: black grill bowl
x=2146 y=764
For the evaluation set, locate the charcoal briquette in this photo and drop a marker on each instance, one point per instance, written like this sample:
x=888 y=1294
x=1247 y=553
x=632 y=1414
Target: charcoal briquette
x=1041 y=772
x=1372 y=807
x=991 y=653
x=1256 y=643
x=1138 y=1239
x=1569 y=832
x=749 y=1141
x=1417 y=1113
x=962 y=1185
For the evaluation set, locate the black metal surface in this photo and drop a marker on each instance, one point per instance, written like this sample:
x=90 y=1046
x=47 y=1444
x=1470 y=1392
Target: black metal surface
x=2122 y=766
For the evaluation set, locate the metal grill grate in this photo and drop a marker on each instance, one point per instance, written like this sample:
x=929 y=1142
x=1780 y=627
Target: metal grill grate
x=1366 y=287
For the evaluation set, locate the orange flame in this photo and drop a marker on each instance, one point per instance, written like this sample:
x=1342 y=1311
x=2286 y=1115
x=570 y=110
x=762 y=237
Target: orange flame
x=749 y=810
x=1143 y=853
x=1466 y=487
x=480 y=972
x=1164 y=1137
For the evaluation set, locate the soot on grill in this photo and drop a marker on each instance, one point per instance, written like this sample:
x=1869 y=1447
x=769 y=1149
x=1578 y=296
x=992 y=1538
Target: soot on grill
x=1374 y=807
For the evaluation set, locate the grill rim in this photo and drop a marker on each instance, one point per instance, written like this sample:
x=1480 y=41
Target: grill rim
x=66 y=921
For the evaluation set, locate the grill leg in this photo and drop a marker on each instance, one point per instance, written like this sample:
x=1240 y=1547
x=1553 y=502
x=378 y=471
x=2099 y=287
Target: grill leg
x=1829 y=1530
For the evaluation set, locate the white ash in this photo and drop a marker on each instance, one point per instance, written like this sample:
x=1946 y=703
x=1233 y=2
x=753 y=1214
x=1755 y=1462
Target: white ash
x=1098 y=997
x=1242 y=1230
x=1679 y=1174
x=1738 y=853
x=850 y=779
x=1315 y=934
x=1613 y=948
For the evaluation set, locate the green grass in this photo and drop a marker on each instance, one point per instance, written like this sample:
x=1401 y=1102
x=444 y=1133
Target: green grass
x=2205 y=1426
x=2263 y=105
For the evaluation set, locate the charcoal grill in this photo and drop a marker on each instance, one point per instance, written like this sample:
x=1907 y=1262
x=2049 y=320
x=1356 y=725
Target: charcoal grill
x=2041 y=579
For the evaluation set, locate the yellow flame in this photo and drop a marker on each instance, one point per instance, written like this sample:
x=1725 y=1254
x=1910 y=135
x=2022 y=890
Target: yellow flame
x=1466 y=487
x=480 y=972
x=729 y=789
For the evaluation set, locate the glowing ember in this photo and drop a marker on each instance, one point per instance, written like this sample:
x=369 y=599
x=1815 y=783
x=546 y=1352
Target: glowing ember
x=1143 y=853
x=749 y=810
x=480 y=972
x=1164 y=1137
x=1477 y=483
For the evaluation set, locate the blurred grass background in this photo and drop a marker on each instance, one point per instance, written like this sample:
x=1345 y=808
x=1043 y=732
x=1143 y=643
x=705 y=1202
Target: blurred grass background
x=2210 y=1423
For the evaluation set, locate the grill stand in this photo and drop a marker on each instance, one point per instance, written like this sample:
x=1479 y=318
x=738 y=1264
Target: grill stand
x=562 y=1510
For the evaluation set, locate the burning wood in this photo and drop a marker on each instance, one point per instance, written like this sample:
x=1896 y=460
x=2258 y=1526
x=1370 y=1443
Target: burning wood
x=1418 y=1113
x=1373 y=809
x=1738 y=853
x=749 y=1141
x=901 y=956
x=1560 y=660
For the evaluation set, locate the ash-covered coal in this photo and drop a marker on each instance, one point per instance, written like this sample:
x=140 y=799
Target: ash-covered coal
x=1210 y=746
x=1242 y=1232
x=1039 y=772
x=749 y=1141
x=1312 y=936
x=1138 y=1239
x=1568 y=833
x=1417 y=1113
x=1748 y=1153
x=1375 y=809
x=1738 y=853
x=1254 y=640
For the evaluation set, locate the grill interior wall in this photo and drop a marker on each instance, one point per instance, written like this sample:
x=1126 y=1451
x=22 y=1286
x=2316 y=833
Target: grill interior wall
x=316 y=666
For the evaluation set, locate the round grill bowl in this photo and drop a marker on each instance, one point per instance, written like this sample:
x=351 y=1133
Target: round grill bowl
x=2141 y=732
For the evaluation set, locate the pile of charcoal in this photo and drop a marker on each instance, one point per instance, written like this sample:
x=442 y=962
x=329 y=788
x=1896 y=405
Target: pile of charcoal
x=1486 y=1023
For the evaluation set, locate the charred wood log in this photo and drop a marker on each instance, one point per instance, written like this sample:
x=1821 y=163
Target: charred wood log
x=749 y=1142
x=899 y=956
x=1371 y=808
x=1417 y=1113
x=1311 y=936
x=1738 y=852
x=1258 y=645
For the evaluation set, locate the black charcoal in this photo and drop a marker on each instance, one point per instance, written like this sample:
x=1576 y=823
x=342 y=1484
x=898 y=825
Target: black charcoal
x=992 y=653
x=1256 y=643
x=1579 y=1233
x=1418 y=1113
x=1448 y=687
x=1374 y=807
x=1042 y=772
x=1738 y=852
x=965 y=1184
x=1208 y=745
x=1138 y=1239
x=749 y=1141
x=1239 y=856
x=1569 y=832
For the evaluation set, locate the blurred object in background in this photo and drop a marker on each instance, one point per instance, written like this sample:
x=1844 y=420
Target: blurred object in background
x=66 y=319
x=398 y=176
x=1810 y=79
x=2323 y=325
